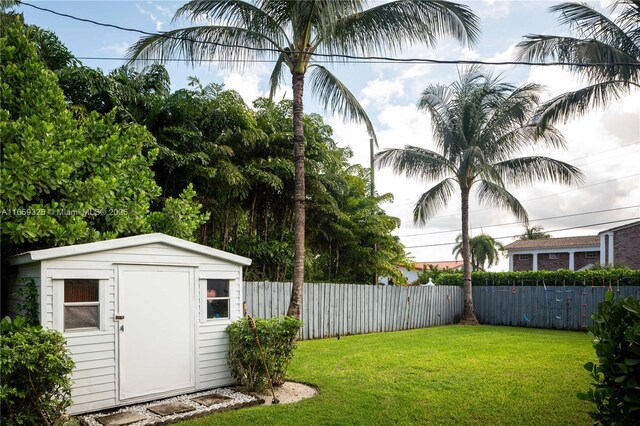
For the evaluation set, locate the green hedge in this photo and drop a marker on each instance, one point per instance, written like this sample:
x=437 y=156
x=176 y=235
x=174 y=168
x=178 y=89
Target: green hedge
x=559 y=277
x=616 y=340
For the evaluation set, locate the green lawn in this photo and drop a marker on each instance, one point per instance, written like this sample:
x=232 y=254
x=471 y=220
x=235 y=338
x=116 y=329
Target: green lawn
x=442 y=375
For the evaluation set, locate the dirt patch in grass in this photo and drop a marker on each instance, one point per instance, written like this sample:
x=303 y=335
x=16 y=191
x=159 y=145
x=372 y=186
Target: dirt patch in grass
x=289 y=393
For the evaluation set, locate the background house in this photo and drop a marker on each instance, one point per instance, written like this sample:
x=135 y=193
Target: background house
x=615 y=246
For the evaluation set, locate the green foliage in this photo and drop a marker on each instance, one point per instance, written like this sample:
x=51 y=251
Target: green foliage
x=68 y=180
x=180 y=216
x=616 y=333
x=599 y=277
x=429 y=271
x=36 y=368
x=30 y=304
x=277 y=339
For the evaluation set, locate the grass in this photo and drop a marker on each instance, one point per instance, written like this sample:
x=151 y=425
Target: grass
x=458 y=375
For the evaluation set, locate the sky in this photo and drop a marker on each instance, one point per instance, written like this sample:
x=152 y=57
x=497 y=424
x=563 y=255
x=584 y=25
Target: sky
x=604 y=144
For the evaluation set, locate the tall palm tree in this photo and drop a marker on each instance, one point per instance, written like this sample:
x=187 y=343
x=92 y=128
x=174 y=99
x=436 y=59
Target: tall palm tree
x=485 y=251
x=294 y=34
x=612 y=40
x=479 y=124
x=534 y=233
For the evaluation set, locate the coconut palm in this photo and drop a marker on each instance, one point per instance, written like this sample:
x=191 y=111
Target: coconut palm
x=479 y=124
x=612 y=40
x=534 y=233
x=485 y=251
x=294 y=34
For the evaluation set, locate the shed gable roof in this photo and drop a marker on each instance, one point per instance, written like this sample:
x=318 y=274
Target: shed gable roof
x=589 y=240
x=138 y=240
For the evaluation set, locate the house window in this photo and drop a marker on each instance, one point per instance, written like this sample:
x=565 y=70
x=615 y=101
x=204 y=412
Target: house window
x=554 y=256
x=524 y=257
x=217 y=299
x=591 y=255
x=81 y=304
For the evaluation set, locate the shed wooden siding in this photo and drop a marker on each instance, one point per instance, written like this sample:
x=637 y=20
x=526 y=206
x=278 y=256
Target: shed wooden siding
x=94 y=352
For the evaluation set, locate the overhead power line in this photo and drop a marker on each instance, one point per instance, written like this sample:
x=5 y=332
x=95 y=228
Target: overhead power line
x=342 y=57
x=520 y=222
x=514 y=236
x=529 y=199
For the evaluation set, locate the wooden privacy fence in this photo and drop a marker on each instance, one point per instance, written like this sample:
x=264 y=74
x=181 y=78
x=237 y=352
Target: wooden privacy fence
x=559 y=307
x=342 y=309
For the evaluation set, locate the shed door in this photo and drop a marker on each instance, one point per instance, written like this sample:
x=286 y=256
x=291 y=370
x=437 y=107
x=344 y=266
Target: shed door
x=156 y=335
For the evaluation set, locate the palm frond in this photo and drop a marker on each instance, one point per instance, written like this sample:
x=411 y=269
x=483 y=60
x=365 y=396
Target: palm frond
x=195 y=44
x=234 y=13
x=276 y=75
x=391 y=26
x=437 y=100
x=334 y=96
x=578 y=51
x=527 y=170
x=493 y=195
x=415 y=162
x=432 y=201
x=591 y=24
x=573 y=104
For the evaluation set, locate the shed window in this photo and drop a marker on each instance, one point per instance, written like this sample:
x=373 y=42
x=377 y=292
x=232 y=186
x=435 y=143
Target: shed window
x=591 y=254
x=524 y=257
x=81 y=304
x=554 y=256
x=217 y=298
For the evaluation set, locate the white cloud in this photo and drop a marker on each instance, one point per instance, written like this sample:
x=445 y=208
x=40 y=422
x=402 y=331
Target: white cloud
x=117 y=48
x=154 y=18
x=378 y=92
x=246 y=83
x=493 y=10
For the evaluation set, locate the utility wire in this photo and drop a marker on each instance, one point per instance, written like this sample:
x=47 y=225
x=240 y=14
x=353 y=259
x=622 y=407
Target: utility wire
x=530 y=199
x=362 y=59
x=514 y=236
x=520 y=222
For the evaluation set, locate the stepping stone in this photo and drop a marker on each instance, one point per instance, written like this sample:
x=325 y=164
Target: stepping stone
x=171 y=408
x=120 y=419
x=210 y=400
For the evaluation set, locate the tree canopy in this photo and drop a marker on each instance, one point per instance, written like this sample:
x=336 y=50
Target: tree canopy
x=69 y=180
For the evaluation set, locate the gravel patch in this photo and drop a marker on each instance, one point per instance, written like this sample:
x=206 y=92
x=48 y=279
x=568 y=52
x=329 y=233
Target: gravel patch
x=236 y=400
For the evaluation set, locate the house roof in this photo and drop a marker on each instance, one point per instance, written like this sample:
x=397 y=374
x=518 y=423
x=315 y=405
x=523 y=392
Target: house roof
x=617 y=228
x=442 y=264
x=589 y=240
x=56 y=252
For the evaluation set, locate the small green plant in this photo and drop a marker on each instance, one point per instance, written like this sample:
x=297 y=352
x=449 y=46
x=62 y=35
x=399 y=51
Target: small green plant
x=277 y=338
x=30 y=305
x=36 y=371
x=616 y=333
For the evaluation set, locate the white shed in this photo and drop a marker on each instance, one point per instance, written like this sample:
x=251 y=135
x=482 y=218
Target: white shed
x=143 y=316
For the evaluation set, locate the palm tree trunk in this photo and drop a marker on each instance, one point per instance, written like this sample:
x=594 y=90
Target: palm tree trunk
x=295 y=303
x=469 y=314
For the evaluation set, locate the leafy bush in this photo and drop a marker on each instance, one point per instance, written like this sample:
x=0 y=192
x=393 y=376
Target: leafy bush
x=36 y=367
x=277 y=338
x=30 y=306
x=562 y=276
x=616 y=333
